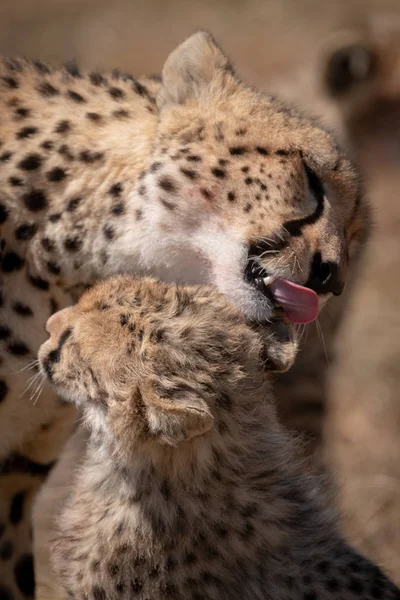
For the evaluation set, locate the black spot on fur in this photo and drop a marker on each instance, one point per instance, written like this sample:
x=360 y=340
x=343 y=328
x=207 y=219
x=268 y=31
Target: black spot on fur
x=55 y=217
x=22 y=112
x=108 y=232
x=53 y=268
x=118 y=209
x=3 y=214
x=48 y=90
x=124 y=319
x=12 y=262
x=35 y=200
x=39 y=283
x=75 y=97
x=140 y=89
x=18 y=348
x=5 y=593
x=31 y=162
x=231 y=196
x=262 y=151
x=63 y=126
x=193 y=158
x=249 y=180
x=41 y=67
x=168 y=205
x=47 y=145
x=115 y=190
x=220 y=173
x=122 y=113
x=3 y=392
x=167 y=184
x=73 y=244
x=97 y=79
x=73 y=204
x=189 y=173
x=65 y=152
x=98 y=593
x=113 y=569
x=11 y=82
x=73 y=69
x=17 y=508
x=6 y=551
x=155 y=167
x=237 y=151
x=48 y=244
x=16 y=181
x=206 y=193
x=24 y=575
x=116 y=93
x=89 y=157
x=355 y=586
x=22 y=309
x=5 y=157
x=56 y=174
x=92 y=116
x=165 y=490
x=5 y=332
x=26 y=132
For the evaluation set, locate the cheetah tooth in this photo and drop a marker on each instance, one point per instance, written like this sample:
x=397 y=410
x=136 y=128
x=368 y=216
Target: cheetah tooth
x=268 y=280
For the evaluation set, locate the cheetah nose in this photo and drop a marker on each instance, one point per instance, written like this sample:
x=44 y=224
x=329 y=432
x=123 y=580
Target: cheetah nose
x=55 y=322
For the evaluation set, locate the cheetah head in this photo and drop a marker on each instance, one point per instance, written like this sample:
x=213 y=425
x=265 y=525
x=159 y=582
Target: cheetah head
x=152 y=361
x=248 y=195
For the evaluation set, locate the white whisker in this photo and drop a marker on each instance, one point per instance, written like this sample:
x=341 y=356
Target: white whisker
x=30 y=365
x=321 y=335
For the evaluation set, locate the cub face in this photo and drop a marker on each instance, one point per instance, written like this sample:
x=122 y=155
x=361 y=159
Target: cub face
x=241 y=191
x=360 y=73
x=155 y=360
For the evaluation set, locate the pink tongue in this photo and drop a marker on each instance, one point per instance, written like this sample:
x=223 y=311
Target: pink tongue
x=299 y=303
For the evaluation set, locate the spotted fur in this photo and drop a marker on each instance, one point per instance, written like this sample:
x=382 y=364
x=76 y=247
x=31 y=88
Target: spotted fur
x=198 y=178
x=188 y=488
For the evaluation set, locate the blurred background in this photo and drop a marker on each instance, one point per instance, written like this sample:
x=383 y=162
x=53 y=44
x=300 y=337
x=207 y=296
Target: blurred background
x=286 y=46
x=263 y=37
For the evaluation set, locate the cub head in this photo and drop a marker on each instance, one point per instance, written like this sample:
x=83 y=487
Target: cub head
x=361 y=74
x=245 y=192
x=155 y=362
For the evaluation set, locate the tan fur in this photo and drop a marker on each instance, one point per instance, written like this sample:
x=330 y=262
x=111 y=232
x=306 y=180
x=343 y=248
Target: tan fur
x=189 y=488
x=102 y=175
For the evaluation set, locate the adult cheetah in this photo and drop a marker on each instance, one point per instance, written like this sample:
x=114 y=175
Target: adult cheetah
x=205 y=181
x=188 y=488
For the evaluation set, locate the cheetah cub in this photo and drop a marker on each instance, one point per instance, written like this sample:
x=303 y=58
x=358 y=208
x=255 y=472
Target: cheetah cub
x=189 y=488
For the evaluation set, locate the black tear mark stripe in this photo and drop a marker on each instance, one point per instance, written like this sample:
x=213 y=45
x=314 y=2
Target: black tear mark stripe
x=17 y=463
x=54 y=356
x=295 y=228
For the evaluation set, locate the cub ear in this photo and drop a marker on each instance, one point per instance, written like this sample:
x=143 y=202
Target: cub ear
x=190 y=68
x=176 y=419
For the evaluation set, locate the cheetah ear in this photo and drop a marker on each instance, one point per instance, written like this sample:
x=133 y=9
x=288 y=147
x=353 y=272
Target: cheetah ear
x=172 y=420
x=190 y=69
